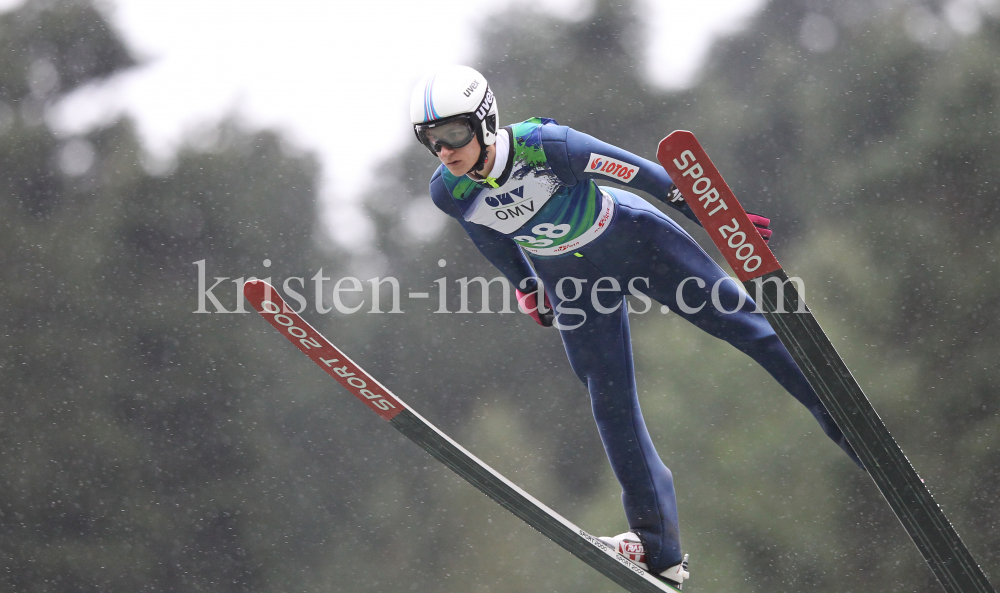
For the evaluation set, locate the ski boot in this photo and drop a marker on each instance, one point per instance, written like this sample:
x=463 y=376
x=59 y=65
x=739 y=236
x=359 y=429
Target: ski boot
x=628 y=545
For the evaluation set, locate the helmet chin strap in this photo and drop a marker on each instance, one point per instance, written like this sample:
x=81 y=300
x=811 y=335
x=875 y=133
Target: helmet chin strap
x=481 y=164
x=483 y=154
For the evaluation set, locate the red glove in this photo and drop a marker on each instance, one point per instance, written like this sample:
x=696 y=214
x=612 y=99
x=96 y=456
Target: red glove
x=528 y=303
x=762 y=225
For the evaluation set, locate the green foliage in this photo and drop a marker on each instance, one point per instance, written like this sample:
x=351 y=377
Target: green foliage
x=48 y=50
x=140 y=452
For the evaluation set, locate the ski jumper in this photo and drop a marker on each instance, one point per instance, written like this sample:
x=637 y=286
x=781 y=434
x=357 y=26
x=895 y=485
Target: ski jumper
x=545 y=202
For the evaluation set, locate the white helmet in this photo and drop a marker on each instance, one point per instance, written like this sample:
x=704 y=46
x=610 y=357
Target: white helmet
x=454 y=94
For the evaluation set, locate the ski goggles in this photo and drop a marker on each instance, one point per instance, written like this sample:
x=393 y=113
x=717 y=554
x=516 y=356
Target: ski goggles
x=453 y=132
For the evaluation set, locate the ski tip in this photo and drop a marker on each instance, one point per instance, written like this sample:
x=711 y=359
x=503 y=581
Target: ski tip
x=256 y=291
x=257 y=282
x=678 y=134
x=674 y=139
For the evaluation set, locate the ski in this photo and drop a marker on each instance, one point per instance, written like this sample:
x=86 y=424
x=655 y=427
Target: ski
x=618 y=568
x=727 y=224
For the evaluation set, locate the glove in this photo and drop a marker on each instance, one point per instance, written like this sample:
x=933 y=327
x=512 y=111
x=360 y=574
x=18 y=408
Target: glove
x=762 y=225
x=675 y=194
x=527 y=301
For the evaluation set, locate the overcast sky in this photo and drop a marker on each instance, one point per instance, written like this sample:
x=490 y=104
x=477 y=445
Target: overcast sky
x=333 y=76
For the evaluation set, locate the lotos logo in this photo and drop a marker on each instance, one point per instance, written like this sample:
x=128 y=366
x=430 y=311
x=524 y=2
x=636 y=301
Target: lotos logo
x=505 y=198
x=617 y=170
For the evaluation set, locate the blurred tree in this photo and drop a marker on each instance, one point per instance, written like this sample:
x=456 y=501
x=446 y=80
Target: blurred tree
x=142 y=451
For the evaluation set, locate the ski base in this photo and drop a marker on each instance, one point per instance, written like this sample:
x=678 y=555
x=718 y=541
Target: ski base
x=748 y=255
x=265 y=300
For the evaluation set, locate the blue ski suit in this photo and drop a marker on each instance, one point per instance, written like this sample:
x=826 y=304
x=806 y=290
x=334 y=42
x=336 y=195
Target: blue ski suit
x=580 y=236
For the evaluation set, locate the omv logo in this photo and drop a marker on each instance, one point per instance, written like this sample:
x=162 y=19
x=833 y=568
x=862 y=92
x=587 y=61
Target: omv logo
x=505 y=198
